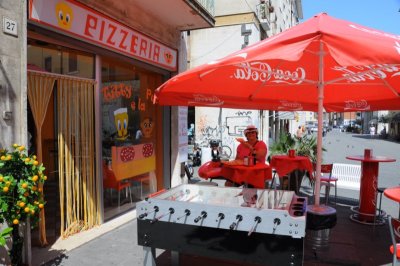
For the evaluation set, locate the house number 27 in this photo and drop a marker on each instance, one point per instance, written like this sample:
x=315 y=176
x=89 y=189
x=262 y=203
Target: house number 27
x=10 y=26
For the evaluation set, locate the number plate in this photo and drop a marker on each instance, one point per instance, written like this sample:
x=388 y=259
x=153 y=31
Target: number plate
x=10 y=26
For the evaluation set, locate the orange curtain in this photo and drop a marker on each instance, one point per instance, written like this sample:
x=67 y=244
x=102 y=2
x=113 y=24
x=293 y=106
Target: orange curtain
x=40 y=88
x=79 y=188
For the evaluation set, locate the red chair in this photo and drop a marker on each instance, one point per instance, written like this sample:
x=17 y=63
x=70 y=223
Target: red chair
x=111 y=182
x=394 y=226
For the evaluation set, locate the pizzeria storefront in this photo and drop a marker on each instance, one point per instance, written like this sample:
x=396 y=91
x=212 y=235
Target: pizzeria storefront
x=91 y=82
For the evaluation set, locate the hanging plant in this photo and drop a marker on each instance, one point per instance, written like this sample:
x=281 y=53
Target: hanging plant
x=21 y=184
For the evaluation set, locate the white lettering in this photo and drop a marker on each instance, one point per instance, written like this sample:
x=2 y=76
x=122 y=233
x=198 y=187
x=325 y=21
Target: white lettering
x=370 y=72
x=207 y=100
x=359 y=105
x=258 y=71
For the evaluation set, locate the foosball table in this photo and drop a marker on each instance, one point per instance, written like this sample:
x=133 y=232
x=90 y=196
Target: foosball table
x=260 y=226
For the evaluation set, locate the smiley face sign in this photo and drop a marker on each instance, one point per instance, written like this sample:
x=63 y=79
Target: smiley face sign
x=64 y=15
x=147 y=127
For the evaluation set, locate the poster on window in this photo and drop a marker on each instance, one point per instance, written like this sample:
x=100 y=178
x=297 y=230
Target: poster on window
x=183 y=133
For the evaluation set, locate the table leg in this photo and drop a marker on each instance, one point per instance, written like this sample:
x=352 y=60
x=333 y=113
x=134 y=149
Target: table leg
x=149 y=256
x=368 y=186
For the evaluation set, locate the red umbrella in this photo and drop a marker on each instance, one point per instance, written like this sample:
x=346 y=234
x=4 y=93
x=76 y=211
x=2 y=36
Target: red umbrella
x=323 y=63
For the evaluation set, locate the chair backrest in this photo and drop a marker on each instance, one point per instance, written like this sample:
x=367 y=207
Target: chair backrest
x=109 y=179
x=394 y=226
x=326 y=169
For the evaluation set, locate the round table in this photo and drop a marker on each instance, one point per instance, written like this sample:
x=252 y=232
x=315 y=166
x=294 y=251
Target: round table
x=285 y=164
x=393 y=193
x=255 y=175
x=365 y=213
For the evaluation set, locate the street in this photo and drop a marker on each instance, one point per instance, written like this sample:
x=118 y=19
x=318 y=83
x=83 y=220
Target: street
x=341 y=144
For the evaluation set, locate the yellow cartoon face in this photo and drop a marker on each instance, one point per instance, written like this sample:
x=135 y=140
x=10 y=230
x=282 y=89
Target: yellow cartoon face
x=64 y=15
x=121 y=122
x=147 y=127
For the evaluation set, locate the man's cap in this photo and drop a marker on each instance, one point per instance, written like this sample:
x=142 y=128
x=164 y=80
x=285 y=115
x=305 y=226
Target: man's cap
x=250 y=128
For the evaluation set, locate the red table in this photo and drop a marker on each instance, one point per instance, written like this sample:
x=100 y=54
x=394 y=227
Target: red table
x=368 y=184
x=255 y=175
x=284 y=164
x=238 y=173
x=393 y=193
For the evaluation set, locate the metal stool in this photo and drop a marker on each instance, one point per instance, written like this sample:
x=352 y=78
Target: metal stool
x=379 y=213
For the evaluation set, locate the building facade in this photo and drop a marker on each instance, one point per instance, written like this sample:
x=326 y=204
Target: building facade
x=78 y=79
x=239 y=24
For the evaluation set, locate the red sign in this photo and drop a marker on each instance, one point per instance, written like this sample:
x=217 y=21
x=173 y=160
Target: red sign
x=80 y=21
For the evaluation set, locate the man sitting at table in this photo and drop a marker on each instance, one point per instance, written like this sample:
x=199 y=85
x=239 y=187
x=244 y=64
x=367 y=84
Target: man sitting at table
x=251 y=147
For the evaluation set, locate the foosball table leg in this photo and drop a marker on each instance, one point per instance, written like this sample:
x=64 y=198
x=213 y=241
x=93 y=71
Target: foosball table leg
x=174 y=258
x=149 y=256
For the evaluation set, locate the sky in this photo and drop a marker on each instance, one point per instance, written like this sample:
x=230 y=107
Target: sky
x=382 y=15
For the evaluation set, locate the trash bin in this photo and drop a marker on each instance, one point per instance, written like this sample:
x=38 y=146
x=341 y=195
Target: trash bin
x=320 y=220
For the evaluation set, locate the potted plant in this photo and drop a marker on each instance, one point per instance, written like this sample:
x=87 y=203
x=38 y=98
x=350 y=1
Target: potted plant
x=304 y=146
x=21 y=198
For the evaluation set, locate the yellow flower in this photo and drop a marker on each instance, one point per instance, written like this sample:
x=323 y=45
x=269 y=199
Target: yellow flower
x=27 y=160
x=9 y=157
x=35 y=163
x=5 y=189
x=15 y=145
x=1 y=178
x=24 y=185
x=34 y=157
x=21 y=148
x=27 y=209
x=41 y=205
x=3 y=158
x=45 y=177
x=15 y=221
x=35 y=178
x=22 y=204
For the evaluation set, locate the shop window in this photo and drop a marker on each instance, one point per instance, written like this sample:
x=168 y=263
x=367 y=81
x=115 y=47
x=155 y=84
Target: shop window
x=129 y=132
x=47 y=57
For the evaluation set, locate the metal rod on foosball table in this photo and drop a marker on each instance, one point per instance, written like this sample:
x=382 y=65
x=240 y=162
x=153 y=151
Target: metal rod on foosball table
x=257 y=221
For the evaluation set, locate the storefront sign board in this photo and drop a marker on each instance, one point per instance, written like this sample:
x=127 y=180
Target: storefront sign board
x=78 y=20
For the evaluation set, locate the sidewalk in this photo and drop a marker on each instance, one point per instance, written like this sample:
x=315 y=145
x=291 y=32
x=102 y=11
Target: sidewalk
x=350 y=244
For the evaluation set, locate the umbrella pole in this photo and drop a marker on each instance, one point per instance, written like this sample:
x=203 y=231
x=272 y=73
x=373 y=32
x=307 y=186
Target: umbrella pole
x=320 y=122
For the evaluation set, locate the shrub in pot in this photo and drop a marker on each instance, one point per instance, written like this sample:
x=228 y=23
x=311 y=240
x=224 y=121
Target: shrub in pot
x=21 y=197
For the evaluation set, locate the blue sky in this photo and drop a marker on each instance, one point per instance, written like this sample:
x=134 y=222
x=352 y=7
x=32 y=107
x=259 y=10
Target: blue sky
x=382 y=15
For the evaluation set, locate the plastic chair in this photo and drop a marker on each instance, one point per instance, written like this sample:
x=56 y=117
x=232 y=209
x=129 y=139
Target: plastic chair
x=140 y=179
x=204 y=173
x=394 y=226
x=327 y=180
x=111 y=182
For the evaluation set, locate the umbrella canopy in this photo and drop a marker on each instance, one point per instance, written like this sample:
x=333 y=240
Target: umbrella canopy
x=323 y=63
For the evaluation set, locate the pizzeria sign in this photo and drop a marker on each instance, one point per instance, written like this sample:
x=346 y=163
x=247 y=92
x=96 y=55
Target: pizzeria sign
x=80 y=21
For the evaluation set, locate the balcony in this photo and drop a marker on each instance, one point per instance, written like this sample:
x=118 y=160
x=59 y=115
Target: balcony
x=263 y=14
x=177 y=14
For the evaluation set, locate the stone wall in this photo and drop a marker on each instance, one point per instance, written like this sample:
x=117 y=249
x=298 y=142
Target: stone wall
x=13 y=101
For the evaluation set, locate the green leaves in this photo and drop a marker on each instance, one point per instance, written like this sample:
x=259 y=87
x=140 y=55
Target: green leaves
x=4 y=234
x=21 y=182
x=305 y=146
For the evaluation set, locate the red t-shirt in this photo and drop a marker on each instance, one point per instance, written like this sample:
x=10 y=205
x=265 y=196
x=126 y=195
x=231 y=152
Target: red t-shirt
x=243 y=150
